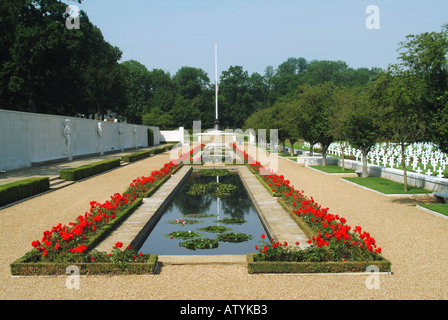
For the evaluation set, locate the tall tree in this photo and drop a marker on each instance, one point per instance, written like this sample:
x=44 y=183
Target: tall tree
x=49 y=68
x=362 y=125
x=234 y=97
x=314 y=105
x=344 y=99
x=138 y=90
x=400 y=94
x=426 y=55
x=190 y=82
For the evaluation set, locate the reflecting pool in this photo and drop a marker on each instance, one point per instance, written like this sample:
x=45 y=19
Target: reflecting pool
x=188 y=212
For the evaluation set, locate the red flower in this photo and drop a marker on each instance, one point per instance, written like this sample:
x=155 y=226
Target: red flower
x=35 y=244
x=118 y=245
x=263 y=236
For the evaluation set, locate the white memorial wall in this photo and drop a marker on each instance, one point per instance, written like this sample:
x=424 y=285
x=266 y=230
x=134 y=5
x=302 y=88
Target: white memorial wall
x=30 y=138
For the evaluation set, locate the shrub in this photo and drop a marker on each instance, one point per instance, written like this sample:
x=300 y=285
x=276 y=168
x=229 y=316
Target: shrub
x=22 y=189
x=89 y=170
x=150 y=137
x=136 y=156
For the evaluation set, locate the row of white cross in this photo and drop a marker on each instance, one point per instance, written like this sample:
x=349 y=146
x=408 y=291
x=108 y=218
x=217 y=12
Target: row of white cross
x=424 y=157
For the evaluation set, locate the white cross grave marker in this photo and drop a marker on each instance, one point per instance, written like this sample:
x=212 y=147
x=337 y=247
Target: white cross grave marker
x=424 y=162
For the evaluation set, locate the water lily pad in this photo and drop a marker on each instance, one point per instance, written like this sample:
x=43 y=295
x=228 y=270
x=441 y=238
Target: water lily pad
x=233 y=237
x=184 y=221
x=200 y=243
x=232 y=221
x=183 y=234
x=215 y=229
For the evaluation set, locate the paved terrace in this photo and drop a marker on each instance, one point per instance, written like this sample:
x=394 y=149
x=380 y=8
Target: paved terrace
x=412 y=239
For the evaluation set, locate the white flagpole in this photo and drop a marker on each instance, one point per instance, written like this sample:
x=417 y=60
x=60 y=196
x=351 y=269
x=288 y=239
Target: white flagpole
x=216 y=79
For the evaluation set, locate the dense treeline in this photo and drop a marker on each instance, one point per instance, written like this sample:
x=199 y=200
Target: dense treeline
x=49 y=68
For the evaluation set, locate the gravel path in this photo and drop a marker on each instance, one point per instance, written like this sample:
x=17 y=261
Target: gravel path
x=413 y=240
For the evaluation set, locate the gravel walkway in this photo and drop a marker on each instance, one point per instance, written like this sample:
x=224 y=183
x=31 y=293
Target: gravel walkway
x=413 y=240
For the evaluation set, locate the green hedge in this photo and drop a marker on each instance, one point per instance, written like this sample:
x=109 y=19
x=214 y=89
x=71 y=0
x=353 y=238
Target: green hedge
x=21 y=267
x=144 y=154
x=150 y=137
x=22 y=189
x=89 y=170
x=313 y=267
x=137 y=156
x=162 y=149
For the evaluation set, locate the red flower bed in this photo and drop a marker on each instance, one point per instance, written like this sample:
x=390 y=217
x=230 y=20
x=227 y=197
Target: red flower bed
x=68 y=243
x=334 y=240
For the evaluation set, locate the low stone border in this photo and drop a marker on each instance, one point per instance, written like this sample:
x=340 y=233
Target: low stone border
x=21 y=267
x=314 y=267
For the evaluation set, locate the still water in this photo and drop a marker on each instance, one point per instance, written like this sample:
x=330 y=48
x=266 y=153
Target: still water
x=185 y=206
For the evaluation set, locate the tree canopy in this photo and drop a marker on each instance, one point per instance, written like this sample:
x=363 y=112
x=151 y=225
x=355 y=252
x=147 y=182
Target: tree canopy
x=49 y=68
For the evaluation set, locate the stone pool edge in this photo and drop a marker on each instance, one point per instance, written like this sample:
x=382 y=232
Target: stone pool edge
x=278 y=224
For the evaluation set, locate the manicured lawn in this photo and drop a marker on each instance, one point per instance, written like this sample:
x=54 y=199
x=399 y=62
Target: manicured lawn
x=437 y=207
x=332 y=169
x=385 y=186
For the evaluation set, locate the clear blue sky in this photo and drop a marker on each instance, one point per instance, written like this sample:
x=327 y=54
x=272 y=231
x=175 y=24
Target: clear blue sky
x=170 y=34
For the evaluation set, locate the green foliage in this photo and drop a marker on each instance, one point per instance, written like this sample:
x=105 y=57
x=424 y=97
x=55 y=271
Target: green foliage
x=425 y=56
x=313 y=267
x=232 y=221
x=233 y=237
x=136 y=156
x=138 y=90
x=26 y=267
x=215 y=229
x=150 y=137
x=183 y=234
x=214 y=172
x=85 y=171
x=22 y=189
x=200 y=243
x=216 y=189
x=43 y=62
x=184 y=221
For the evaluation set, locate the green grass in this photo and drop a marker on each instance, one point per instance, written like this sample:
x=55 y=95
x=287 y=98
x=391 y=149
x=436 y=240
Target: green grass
x=385 y=186
x=441 y=208
x=332 y=169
